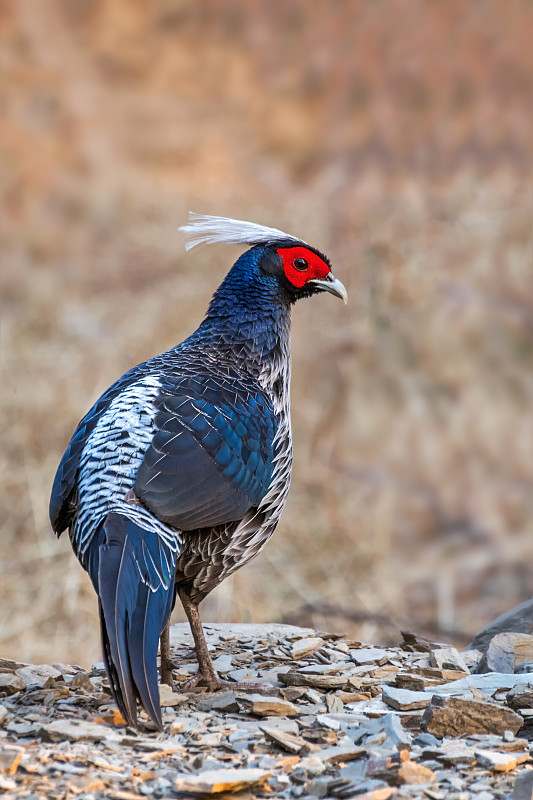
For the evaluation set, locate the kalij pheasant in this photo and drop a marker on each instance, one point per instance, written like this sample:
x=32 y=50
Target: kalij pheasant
x=178 y=474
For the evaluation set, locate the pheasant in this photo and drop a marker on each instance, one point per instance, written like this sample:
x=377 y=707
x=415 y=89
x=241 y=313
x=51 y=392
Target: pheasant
x=177 y=476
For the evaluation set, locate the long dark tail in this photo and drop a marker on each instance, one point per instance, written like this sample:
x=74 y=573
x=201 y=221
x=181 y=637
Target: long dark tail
x=133 y=573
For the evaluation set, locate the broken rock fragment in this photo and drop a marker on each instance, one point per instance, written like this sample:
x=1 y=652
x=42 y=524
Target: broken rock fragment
x=304 y=647
x=506 y=652
x=74 y=730
x=10 y=683
x=212 y=781
x=38 y=675
x=498 y=762
x=413 y=773
x=263 y=706
x=404 y=699
x=456 y=716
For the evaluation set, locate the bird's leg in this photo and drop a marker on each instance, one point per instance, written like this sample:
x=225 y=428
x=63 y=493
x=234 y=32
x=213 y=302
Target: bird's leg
x=207 y=674
x=206 y=671
x=166 y=664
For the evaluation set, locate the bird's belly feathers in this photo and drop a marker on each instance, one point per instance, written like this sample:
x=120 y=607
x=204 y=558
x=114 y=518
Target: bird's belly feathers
x=208 y=557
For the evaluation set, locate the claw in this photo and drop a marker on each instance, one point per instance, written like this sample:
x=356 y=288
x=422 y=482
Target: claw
x=214 y=683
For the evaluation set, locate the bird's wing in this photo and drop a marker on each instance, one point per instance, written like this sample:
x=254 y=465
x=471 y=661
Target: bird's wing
x=211 y=457
x=64 y=497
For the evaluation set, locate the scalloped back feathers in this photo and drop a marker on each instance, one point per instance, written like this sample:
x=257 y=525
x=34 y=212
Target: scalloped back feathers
x=206 y=229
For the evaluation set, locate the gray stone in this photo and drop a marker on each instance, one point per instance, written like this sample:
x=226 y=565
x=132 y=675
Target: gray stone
x=38 y=675
x=472 y=658
x=403 y=699
x=426 y=740
x=495 y=761
x=389 y=724
x=220 y=780
x=520 y=697
x=506 y=652
x=223 y=664
x=369 y=655
x=226 y=702
x=243 y=674
x=74 y=730
x=263 y=706
x=321 y=669
x=169 y=698
x=303 y=647
x=82 y=681
x=523 y=788
x=345 y=751
x=333 y=703
x=10 y=683
x=302 y=678
x=8 y=665
x=288 y=740
x=447 y=658
x=489 y=683
x=22 y=727
x=456 y=716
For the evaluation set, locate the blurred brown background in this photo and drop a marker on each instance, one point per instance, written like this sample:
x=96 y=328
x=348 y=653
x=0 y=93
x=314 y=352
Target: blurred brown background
x=393 y=135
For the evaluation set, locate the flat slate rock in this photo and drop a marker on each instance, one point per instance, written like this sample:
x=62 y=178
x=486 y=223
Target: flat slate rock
x=285 y=739
x=404 y=699
x=369 y=655
x=213 y=781
x=264 y=706
x=303 y=647
x=318 y=681
x=346 y=751
x=489 y=684
x=499 y=762
x=74 y=730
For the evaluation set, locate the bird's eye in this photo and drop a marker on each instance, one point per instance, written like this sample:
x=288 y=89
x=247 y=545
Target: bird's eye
x=300 y=264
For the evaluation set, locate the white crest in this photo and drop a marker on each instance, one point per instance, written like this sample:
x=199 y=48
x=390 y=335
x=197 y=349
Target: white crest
x=206 y=229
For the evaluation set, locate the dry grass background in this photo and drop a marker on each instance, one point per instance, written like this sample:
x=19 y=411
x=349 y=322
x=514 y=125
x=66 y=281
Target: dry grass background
x=395 y=136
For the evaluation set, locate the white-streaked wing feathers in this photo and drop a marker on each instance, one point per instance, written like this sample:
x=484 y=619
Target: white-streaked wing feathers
x=207 y=229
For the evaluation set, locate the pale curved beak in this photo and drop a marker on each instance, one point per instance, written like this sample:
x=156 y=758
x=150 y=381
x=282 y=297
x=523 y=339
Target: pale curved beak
x=332 y=285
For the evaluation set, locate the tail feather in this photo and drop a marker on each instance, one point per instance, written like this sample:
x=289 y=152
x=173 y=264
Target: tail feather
x=134 y=577
x=146 y=625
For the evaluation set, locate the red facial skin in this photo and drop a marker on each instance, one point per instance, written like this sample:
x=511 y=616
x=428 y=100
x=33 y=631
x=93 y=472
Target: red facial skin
x=317 y=267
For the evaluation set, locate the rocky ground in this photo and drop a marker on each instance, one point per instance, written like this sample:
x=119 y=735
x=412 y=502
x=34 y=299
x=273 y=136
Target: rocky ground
x=338 y=719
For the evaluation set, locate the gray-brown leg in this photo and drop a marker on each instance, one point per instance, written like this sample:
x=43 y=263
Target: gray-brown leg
x=207 y=674
x=166 y=664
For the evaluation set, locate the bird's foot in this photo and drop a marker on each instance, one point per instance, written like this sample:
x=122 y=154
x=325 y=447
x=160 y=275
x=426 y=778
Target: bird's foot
x=213 y=683
x=166 y=674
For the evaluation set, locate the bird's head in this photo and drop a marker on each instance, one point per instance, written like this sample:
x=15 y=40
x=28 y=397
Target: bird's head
x=300 y=270
x=276 y=260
